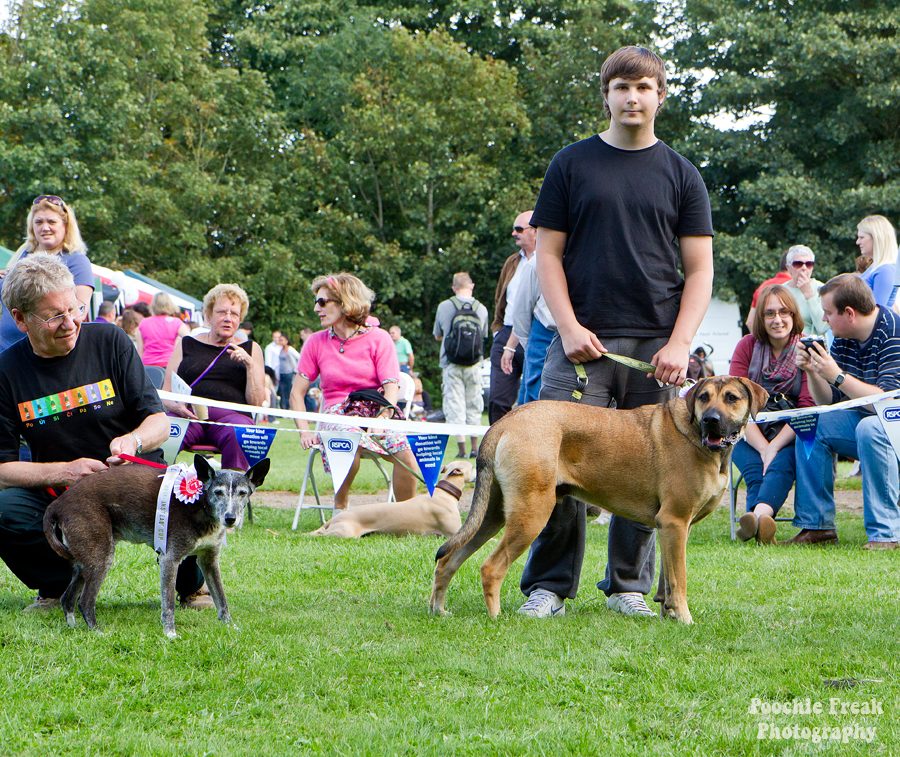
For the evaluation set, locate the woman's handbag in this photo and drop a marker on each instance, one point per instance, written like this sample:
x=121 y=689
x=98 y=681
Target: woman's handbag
x=369 y=403
x=777 y=401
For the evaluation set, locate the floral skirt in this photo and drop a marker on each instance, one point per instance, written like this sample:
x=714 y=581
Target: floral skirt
x=392 y=441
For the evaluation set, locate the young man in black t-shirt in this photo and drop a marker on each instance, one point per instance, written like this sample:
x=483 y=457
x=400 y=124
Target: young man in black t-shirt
x=616 y=214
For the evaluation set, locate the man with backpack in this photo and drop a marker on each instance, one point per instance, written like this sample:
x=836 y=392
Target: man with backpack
x=460 y=325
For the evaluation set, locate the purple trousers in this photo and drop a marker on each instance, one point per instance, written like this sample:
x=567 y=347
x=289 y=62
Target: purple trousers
x=222 y=437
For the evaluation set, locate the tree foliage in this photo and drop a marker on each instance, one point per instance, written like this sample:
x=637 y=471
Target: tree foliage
x=267 y=142
x=821 y=80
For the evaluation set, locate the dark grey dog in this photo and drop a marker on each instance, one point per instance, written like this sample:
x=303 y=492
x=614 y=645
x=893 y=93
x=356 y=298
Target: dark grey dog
x=119 y=504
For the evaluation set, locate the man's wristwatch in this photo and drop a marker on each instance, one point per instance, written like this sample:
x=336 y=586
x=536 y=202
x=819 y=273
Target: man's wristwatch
x=839 y=379
x=140 y=444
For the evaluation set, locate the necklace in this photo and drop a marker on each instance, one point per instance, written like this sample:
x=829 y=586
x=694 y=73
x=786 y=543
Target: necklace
x=343 y=341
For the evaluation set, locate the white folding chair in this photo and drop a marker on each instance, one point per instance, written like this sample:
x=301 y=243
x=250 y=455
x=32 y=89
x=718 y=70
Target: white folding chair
x=407 y=392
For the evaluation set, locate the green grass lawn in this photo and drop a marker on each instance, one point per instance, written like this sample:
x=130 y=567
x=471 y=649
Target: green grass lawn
x=337 y=655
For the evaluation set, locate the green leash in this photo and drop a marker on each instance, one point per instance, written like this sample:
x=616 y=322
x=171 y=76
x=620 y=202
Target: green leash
x=582 y=376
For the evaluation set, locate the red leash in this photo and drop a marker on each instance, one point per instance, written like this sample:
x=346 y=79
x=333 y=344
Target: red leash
x=133 y=459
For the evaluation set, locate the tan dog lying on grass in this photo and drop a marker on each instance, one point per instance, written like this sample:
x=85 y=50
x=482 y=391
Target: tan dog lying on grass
x=415 y=517
x=665 y=466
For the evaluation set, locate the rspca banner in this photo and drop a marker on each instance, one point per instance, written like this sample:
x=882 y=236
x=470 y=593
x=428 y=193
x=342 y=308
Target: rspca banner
x=177 y=429
x=889 y=413
x=340 y=450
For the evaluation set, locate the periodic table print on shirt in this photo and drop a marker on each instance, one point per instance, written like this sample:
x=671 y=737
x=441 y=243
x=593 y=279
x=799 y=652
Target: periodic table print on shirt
x=79 y=397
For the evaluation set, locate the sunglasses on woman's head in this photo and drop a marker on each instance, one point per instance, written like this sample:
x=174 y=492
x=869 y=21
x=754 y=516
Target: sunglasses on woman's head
x=798 y=264
x=322 y=301
x=52 y=199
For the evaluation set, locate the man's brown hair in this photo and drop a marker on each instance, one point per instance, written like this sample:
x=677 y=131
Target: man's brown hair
x=631 y=63
x=848 y=290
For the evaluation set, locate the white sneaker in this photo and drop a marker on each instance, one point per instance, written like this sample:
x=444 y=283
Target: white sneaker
x=629 y=603
x=543 y=604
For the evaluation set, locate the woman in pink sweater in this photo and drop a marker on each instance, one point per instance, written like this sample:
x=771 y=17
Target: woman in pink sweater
x=351 y=354
x=156 y=335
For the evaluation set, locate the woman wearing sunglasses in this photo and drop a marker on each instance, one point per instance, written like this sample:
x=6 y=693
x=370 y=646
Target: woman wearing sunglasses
x=351 y=354
x=51 y=227
x=876 y=239
x=800 y=262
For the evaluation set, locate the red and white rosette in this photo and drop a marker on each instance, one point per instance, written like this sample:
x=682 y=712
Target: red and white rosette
x=188 y=487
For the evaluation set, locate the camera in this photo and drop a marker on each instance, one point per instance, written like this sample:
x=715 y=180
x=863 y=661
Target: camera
x=808 y=341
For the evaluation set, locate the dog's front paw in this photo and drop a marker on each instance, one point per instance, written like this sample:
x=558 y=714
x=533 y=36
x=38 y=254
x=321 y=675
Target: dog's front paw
x=171 y=634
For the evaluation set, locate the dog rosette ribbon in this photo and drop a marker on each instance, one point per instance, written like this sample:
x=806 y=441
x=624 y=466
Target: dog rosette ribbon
x=188 y=487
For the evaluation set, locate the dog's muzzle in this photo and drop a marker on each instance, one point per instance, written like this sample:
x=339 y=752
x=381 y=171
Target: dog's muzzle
x=715 y=433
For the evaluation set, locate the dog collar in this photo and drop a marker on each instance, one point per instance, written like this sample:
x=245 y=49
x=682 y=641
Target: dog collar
x=449 y=488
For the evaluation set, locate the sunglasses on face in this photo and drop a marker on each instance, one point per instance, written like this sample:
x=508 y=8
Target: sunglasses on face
x=322 y=302
x=52 y=199
x=798 y=264
x=518 y=229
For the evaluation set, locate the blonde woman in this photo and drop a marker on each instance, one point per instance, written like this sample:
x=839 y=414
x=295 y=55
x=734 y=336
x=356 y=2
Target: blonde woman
x=219 y=368
x=876 y=239
x=52 y=228
x=350 y=354
x=156 y=335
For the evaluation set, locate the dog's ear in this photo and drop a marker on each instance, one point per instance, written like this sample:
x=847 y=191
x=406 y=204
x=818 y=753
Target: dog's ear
x=758 y=396
x=257 y=474
x=205 y=471
x=691 y=398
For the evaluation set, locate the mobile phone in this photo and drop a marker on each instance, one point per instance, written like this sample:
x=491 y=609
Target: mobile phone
x=808 y=341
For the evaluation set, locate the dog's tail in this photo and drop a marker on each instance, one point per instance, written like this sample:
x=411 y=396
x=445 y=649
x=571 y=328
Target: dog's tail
x=51 y=521
x=481 y=499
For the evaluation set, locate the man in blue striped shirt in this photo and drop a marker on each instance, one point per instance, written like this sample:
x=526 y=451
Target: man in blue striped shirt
x=864 y=360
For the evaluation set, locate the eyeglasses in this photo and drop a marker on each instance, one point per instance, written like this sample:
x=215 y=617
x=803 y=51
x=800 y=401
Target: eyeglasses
x=798 y=264
x=227 y=314
x=52 y=199
x=323 y=301
x=784 y=314
x=519 y=229
x=74 y=312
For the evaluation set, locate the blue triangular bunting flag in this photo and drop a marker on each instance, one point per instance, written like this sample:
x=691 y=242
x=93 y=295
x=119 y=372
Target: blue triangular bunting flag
x=429 y=452
x=255 y=442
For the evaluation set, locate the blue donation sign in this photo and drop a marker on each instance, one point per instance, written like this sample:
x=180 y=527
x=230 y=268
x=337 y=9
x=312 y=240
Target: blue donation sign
x=429 y=452
x=254 y=441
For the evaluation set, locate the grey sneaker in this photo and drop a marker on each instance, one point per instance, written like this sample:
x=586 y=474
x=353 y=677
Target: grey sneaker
x=629 y=603
x=543 y=604
x=41 y=604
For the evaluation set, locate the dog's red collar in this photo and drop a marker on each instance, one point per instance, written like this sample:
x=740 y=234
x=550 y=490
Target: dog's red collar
x=449 y=488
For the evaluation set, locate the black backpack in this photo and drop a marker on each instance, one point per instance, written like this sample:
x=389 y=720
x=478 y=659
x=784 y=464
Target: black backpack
x=464 y=343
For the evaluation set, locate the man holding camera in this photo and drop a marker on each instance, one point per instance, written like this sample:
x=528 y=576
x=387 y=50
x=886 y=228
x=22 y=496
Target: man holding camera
x=864 y=360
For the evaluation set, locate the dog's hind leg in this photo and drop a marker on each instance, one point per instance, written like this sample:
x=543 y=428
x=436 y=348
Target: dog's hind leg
x=520 y=533
x=448 y=565
x=72 y=594
x=209 y=564
x=93 y=578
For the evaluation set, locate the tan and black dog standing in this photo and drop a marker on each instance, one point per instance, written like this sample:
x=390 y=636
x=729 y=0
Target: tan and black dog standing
x=665 y=466
x=119 y=504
